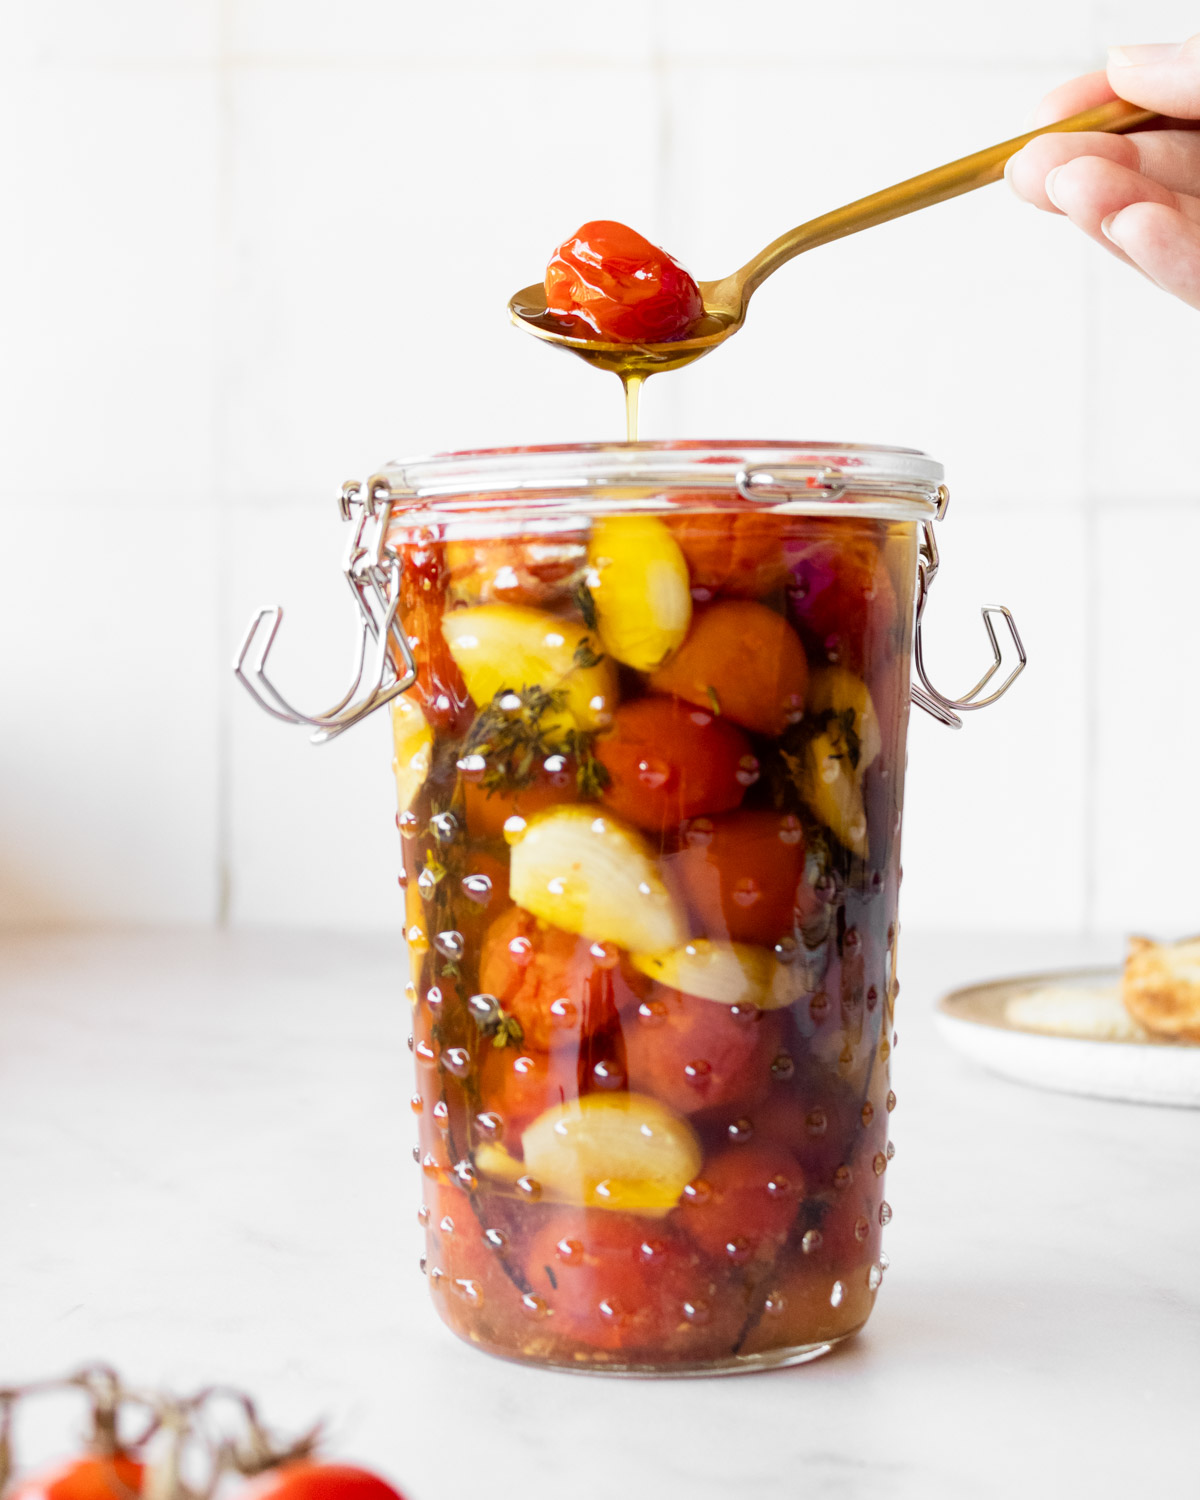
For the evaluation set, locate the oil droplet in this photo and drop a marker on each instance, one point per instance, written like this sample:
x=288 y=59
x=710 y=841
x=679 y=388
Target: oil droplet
x=444 y=826
x=843 y=1177
x=606 y=955
x=489 y=1124
x=433 y=998
x=535 y=1307
x=775 y=1304
x=450 y=944
x=565 y=1012
x=874 y=1277
x=698 y=833
x=514 y=829
x=879 y=1163
x=521 y=950
x=791 y=830
x=746 y=892
x=884 y=1050
x=891 y=1150
x=409 y=825
x=409 y=1041
x=530 y=1188
x=896 y=1034
x=697 y=1072
x=410 y=992
x=862 y=1228
x=872 y=998
x=447 y=1224
x=653 y=773
x=477 y=888
x=483 y=1008
x=613 y=1310
x=697 y=1311
x=748 y=770
x=429 y=1164
x=441 y=1113
x=818 y=1007
x=470 y=1291
x=457 y=1061
x=697 y=1191
x=891 y=1101
x=836 y=1295
x=738 y=1251
x=816 y=1122
x=402 y=880
x=652 y=1012
x=557 y=770
x=779 y=1186
x=608 y=1074
x=471 y=767
x=811 y=1241
x=852 y=942
x=427 y=883
x=424 y=1265
x=786 y=950
x=495 y=1239
x=885 y=1213
x=436 y=1277
x=782 y=1065
x=423 y=1215
x=867 y=1113
x=417 y=1155
x=465 y=1173
x=740 y=1131
x=569 y=1251
x=417 y=941
x=425 y=1052
x=885 y=1260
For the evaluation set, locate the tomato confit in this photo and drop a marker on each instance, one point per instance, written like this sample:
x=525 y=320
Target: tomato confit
x=649 y=780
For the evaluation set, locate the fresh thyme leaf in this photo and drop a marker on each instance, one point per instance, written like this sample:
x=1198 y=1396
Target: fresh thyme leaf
x=513 y=740
x=713 y=699
x=591 y=778
x=587 y=605
x=585 y=656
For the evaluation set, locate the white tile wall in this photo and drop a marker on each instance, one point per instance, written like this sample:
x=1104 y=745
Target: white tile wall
x=229 y=223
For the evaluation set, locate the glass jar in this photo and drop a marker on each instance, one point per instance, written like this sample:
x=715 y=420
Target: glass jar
x=649 y=707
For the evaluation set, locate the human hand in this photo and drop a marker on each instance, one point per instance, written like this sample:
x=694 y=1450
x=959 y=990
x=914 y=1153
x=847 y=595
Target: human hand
x=1137 y=195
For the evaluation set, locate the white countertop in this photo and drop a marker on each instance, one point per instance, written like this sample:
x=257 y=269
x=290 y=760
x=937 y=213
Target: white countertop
x=206 y=1173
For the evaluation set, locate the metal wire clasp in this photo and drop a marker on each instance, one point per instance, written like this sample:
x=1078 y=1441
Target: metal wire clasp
x=947 y=710
x=372 y=570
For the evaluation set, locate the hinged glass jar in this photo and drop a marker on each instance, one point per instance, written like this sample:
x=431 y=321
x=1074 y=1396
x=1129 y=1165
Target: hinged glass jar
x=649 y=707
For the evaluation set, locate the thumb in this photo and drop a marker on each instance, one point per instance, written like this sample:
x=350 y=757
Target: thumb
x=1164 y=76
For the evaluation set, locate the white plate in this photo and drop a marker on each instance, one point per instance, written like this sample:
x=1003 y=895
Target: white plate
x=974 y=1021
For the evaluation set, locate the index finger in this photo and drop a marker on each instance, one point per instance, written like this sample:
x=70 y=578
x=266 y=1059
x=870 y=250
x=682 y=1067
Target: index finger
x=1072 y=98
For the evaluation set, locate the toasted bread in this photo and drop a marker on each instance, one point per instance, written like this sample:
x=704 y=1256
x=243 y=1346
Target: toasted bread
x=1161 y=987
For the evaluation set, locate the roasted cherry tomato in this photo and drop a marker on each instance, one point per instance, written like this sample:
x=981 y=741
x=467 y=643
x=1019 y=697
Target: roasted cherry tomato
x=606 y=282
x=488 y=810
x=516 y=1085
x=617 y=1281
x=741 y=873
x=744 y=1202
x=93 y=1477
x=548 y=980
x=465 y=1260
x=841 y=593
x=537 y=571
x=738 y=554
x=312 y=1480
x=744 y=662
x=698 y=1054
x=668 y=760
x=439 y=688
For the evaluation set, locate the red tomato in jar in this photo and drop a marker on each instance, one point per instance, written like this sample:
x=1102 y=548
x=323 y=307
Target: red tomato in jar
x=92 y=1477
x=744 y=1202
x=439 y=688
x=467 y=1253
x=696 y=1054
x=539 y=571
x=488 y=810
x=841 y=593
x=737 y=554
x=516 y=1085
x=741 y=873
x=619 y=1281
x=309 y=1479
x=743 y=661
x=607 y=282
x=668 y=760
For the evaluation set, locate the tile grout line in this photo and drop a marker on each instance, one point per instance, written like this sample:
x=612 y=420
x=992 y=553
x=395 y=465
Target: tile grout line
x=222 y=256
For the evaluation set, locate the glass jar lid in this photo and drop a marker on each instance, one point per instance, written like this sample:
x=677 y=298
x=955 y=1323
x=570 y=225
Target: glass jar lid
x=800 y=478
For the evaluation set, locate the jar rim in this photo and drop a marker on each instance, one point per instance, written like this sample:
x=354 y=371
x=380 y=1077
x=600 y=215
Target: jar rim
x=790 y=477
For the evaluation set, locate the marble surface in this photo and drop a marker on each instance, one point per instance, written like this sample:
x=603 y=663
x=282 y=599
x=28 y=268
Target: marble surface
x=205 y=1172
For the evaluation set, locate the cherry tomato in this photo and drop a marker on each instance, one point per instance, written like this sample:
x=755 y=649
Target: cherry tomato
x=668 y=760
x=738 y=554
x=516 y=1085
x=489 y=809
x=93 y=1477
x=618 y=1281
x=841 y=593
x=744 y=1202
x=743 y=661
x=605 y=281
x=312 y=1480
x=741 y=873
x=466 y=1254
x=547 y=979
x=698 y=1054
x=439 y=688
x=536 y=571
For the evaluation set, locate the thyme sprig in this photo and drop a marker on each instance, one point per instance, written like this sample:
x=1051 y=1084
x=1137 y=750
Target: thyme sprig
x=516 y=733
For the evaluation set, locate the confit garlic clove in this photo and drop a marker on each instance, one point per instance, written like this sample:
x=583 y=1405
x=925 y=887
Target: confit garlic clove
x=730 y=973
x=641 y=590
x=625 y=1152
x=506 y=646
x=836 y=757
x=587 y=872
x=833 y=689
x=412 y=740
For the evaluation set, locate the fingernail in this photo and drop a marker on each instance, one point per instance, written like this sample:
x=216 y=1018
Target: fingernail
x=1149 y=52
x=1049 y=188
x=1106 y=228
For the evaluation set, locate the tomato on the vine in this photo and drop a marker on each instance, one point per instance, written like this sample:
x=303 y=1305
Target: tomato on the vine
x=667 y=760
x=91 y=1477
x=606 y=281
x=310 y=1479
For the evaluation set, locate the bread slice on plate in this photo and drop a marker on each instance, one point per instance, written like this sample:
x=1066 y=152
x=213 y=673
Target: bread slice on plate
x=1093 y=1012
x=1161 y=987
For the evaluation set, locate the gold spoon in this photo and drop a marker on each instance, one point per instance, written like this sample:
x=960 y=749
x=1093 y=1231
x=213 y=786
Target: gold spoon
x=725 y=302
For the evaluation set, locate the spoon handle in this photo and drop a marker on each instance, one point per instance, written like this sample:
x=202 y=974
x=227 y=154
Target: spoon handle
x=969 y=172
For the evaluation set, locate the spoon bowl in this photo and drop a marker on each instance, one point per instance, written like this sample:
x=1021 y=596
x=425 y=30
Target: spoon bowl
x=725 y=302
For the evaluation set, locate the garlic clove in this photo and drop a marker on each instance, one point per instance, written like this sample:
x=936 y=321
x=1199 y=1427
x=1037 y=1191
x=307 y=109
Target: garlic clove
x=730 y=973
x=641 y=590
x=412 y=741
